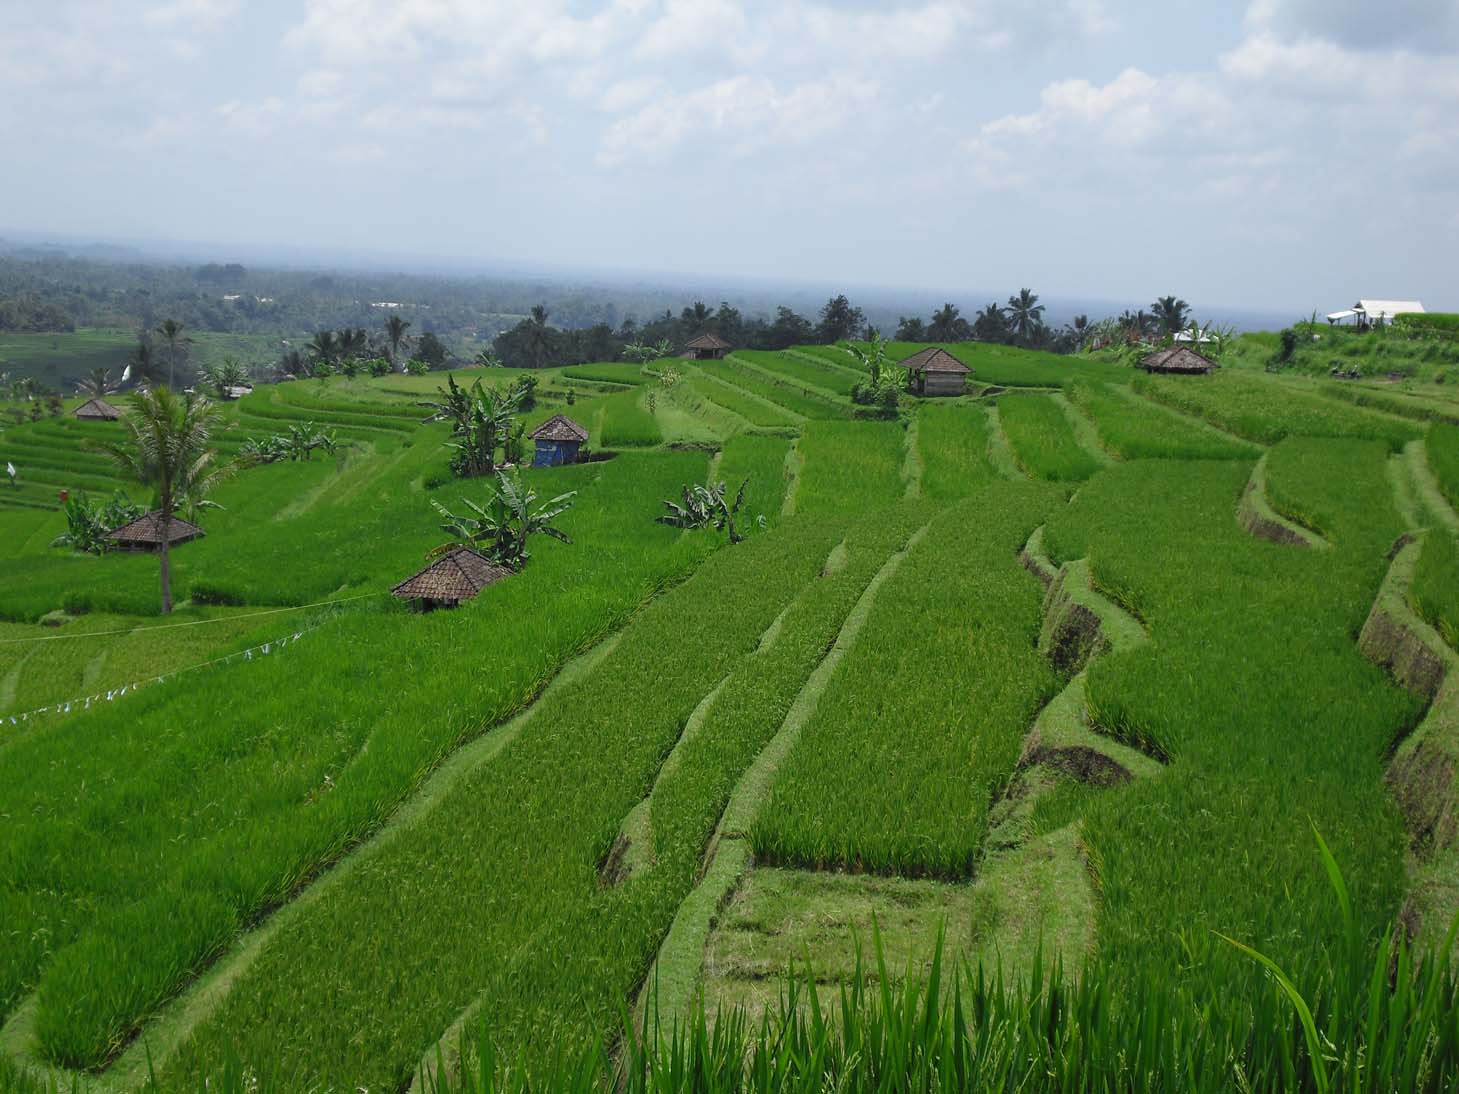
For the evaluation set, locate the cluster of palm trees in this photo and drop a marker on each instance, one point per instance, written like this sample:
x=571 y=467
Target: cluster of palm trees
x=1020 y=322
x=349 y=351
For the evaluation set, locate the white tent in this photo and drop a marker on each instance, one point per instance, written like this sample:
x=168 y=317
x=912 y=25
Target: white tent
x=1375 y=311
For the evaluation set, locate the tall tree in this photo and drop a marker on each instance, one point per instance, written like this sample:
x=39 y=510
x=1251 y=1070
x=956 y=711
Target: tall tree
x=539 y=336
x=947 y=325
x=696 y=317
x=911 y=329
x=1171 y=314
x=1025 y=315
x=1079 y=331
x=175 y=338
x=167 y=448
x=839 y=320
x=395 y=328
x=788 y=329
x=324 y=348
x=991 y=325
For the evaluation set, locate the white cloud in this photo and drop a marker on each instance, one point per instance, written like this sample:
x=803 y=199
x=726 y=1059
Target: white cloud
x=191 y=14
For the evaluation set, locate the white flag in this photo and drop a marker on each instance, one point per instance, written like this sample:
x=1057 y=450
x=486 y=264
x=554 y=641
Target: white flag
x=10 y=469
x=126 y=374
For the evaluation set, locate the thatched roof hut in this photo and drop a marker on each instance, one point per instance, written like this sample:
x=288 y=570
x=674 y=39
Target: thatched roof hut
x=1178 y=359
x=459 y=574
x=145 y=533
x=936 y=372
x=557 y=441
x=97 y=410
x=707 y=347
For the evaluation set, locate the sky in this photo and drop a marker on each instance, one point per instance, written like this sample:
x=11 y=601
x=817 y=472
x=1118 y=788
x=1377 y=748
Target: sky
x=1290 y=154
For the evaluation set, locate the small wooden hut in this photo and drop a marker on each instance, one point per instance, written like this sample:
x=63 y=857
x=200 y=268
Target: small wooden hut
x=1180 y=360
x=458 y=575
x=707 y=347
x=97 y=410
x=934 y=371
x=557 y=441
x=145 y=533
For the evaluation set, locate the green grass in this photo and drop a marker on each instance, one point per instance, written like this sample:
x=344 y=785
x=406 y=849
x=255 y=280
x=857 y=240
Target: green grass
x=1436 y=584
x=1043 y=439
x=1442 y=446
x=1266 y=410
x=781 y=392
x=757 y=411
x=613 y=372
x=1252 y=685
x=564 y=949
x=1138 y=430
x=627 y=423
x=298 y=755
x=812 y=377
x=953 y=442
x=1008 y=366
x=850 y=466
x=903 y=782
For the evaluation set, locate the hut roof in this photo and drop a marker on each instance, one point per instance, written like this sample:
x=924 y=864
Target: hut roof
x=97 y=408
x=457 y=575
x=707 y=340
x=934 y=359
x=147 y=530
x=559 y=427
x=1177 y=359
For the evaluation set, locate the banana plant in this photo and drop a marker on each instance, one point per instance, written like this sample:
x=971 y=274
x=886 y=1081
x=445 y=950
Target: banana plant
x=502 y=527
x=706 y=506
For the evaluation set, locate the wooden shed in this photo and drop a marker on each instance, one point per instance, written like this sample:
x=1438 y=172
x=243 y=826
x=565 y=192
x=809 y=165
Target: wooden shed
x=97 y=410
x=707 y=347
x=1181 y=360
x=145 y=533
x=934 y=371
x=557 y=441
x=460 y=574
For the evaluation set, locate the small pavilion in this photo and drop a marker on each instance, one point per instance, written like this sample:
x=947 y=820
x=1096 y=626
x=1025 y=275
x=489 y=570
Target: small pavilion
x=1181 y=360
x=458 y=575
x=934 y=371
x=557 y=441
x=97 y=410
x=707 y=347
x=145 y=533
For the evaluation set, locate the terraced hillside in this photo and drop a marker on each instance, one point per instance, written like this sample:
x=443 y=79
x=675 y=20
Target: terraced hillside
x=1049 y=695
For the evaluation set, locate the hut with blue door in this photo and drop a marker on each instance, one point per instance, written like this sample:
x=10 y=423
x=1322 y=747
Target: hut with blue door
x=557 y=441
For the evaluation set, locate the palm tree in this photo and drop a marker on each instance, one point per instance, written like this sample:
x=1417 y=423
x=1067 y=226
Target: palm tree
x=539 y=338
x=1079 y=331
x=323 y=348
x=141 y=367
x=1025 y=314
x=224 y=378
x=166 y=448
x=1171 y=314
x=991 y=325
x=293 y=363
x=177 y=341
x=944 y=324
x=395 y=328
x=95 y=384
x=504 y=524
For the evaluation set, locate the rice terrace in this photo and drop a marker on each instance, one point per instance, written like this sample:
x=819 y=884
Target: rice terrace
x=729 y=546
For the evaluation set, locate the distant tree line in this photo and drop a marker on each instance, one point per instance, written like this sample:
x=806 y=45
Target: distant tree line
x=1020 y=322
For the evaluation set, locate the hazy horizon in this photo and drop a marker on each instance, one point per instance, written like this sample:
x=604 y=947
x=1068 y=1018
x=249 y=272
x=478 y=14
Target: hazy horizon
x=1275 y=157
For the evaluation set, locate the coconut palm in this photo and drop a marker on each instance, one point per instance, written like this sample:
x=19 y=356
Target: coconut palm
x=501 y=528
x=395 y=328
x=224 y=378
x=95 y=384
x=1025 y=314
x=142 y=367
x=991 y=324
x=167 y=448
x=293 y=363
x=1171 y=314
x=944 y=325
x=175 y=338
x=323 y=349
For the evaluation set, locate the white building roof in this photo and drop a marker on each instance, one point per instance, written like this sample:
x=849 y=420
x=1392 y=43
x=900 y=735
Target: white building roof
x=1346 y=313
x=1387 y=309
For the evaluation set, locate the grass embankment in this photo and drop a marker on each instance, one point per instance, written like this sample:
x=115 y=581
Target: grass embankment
x=780 y=391
x=1372 y=353
x=816 y=378
x=758 y=410
x=1251 y=651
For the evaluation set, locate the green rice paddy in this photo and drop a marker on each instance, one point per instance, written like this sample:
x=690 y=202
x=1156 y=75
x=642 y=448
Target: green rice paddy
x=460 y=849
